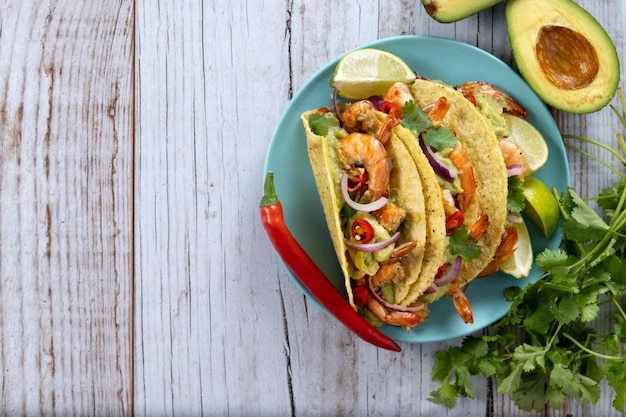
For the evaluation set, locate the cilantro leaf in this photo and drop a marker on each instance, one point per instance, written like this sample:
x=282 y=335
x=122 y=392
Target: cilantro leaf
x=531 y=394
x=515 y=201
x=512 y=381
x=530 y=357
x=608 y=198
x=581 y=223
x=460 y=243
x=414 y=118
x=446 y=395
x=441 y=137
x=551 y=260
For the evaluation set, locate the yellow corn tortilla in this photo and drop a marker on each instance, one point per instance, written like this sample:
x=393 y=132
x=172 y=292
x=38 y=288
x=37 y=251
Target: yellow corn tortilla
x=481 y=145
x=404 y=189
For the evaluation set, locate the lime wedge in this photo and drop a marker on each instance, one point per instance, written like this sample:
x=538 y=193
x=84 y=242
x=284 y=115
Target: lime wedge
x=363 y=73
x=541 y=206
x=521 y=262
x=529 y=139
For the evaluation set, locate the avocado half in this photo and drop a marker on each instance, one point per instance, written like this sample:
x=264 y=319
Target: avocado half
x=447 y=11
x=563 y=53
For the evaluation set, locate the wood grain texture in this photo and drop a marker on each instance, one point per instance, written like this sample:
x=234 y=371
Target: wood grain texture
x=135 y=276
x=66 y=214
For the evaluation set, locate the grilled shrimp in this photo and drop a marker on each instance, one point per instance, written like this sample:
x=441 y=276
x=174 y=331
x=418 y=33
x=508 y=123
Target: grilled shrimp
x=466 y=175
x=509 y=104
x=480 y=226
x=513 y=156
x=461 y=303
x=366 y=150
x=504 y=252
x=398 y=93
x=360 y=117
x=437 y=111
x=390 y=216
x=391 y=272
x=404 y=319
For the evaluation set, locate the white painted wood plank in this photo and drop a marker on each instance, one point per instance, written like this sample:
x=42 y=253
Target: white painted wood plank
x=210 y=326
x=66 y=213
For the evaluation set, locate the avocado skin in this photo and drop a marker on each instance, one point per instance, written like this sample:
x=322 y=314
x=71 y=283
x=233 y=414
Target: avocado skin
x=523 y=33
x=448 y=11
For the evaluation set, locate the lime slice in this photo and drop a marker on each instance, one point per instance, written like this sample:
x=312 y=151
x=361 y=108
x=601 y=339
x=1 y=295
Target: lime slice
x=368 y=72
x=541 y=206
x=529 y=139
x=521 y=262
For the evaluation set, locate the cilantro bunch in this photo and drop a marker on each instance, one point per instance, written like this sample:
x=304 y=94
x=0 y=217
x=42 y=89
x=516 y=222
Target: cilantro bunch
x=546 y=348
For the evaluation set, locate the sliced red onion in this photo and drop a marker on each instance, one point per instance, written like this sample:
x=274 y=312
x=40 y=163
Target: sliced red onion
x=336 y=108
x=515 y=169
x=371 y=247
x=376 y=101
x=368 y=207
x=381 y=300
x=428 y=107
x=450 y=273
x=445 y=172
x=431 y=289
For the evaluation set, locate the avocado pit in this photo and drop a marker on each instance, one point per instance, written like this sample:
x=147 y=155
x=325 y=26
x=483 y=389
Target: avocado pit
x=566 y=57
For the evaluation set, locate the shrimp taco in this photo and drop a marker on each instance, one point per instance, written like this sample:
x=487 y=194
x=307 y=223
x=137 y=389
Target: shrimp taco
x=375 y=208
x=450 y=139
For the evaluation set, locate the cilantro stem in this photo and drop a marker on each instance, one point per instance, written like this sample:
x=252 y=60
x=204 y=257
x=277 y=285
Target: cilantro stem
x=622 y=144
x=619 y=307
x=619 y=208
x=593 y=157
x=598 y=144
x=621 y=116
x=593 y=352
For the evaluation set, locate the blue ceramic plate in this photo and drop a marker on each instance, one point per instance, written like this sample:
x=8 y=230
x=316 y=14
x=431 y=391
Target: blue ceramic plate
x=435 y=58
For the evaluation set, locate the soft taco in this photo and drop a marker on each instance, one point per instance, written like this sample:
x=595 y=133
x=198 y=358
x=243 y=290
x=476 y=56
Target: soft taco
x=379 y=221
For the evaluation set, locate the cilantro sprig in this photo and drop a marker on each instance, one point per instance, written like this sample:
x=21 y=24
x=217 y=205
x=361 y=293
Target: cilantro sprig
x=416 y=120
x=546 y=348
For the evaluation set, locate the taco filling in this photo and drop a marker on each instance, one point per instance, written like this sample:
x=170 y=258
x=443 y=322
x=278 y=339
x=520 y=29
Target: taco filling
x=379 y=230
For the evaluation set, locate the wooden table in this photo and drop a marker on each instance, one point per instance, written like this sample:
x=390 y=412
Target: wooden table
x=135 y=276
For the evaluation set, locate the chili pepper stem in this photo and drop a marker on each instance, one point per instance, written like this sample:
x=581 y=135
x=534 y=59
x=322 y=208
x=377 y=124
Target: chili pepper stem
x=269 y=191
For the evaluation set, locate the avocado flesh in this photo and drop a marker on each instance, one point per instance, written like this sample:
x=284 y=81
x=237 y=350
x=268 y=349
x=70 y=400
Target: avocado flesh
x=563 y=53
x=447 y=11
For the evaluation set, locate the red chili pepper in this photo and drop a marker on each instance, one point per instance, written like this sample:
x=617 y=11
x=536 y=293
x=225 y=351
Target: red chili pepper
x=389 y=106
x=357 y=179
x=470 y=97
x=309 y=274
x=454 y=221
x=361 y=294
x=362 y=231
x=441 y=270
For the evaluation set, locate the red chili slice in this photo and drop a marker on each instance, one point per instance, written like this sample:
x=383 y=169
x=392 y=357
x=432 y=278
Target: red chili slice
x=441 y=270
x=362 y=231
x=470 y=97
x=454 y=221
x=360 y=294
x=357 y=178
x=388 y=107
